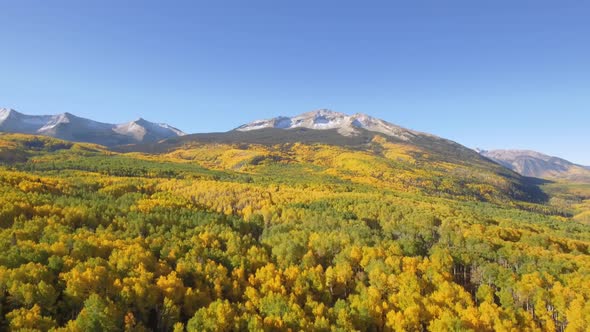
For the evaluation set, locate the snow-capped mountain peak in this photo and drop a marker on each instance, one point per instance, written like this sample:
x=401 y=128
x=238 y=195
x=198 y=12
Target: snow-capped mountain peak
x=55 y=121
x=323 y=119
x=141 y=129
x=71 y=127
x=5 y=113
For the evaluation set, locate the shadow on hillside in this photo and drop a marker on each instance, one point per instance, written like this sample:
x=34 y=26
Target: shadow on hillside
x=268 y=136
x=534 y=190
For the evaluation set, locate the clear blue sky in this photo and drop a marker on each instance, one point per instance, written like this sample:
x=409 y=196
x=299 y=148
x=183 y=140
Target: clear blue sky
x=490 y=74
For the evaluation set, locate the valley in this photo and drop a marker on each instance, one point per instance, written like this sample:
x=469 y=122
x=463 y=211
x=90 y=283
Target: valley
x=286 y=229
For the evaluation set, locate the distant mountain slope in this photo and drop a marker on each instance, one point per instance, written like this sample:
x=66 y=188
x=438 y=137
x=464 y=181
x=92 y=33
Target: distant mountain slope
x=358 y=147
x=73 y=128
x=323 y=119
x=328 y=127
x=535 y=164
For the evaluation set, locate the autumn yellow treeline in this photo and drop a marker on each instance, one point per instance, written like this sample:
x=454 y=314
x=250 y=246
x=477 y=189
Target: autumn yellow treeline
x=276 y=238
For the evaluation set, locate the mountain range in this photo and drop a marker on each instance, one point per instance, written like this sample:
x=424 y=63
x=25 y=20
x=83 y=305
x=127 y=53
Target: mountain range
x=367 y=221
x=525 y=162
x=320 y=126
x=73 y=128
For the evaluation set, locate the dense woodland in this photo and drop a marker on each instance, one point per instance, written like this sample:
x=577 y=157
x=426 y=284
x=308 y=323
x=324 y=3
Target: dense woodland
x=301 y=237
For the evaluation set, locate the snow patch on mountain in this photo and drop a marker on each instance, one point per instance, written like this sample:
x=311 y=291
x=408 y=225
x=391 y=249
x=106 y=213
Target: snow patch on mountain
x=141 y=128
x=71 y=127
x=324 y=119
x=4 y=113
x=54 y=121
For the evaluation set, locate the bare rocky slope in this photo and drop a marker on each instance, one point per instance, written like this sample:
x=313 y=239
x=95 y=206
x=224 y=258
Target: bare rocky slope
x=535 y=164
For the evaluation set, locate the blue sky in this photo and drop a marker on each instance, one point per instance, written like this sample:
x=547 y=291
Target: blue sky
x=489 y=74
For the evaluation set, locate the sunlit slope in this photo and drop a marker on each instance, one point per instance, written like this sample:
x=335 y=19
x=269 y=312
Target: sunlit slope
x=571 y=197
x=310 y=236
x=427 y=163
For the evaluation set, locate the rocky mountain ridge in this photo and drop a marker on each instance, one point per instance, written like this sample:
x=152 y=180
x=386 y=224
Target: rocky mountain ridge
x=70 y=127
x=539 y=165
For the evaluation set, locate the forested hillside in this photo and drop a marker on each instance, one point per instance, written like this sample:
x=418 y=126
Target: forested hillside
x=219 y=235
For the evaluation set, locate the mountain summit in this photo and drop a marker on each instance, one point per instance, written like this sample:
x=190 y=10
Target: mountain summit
x=323 y=119
x=325 y=127
x=73 y=128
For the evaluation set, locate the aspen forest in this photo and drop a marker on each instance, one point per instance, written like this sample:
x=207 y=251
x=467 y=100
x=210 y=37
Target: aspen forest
x=287 y=237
